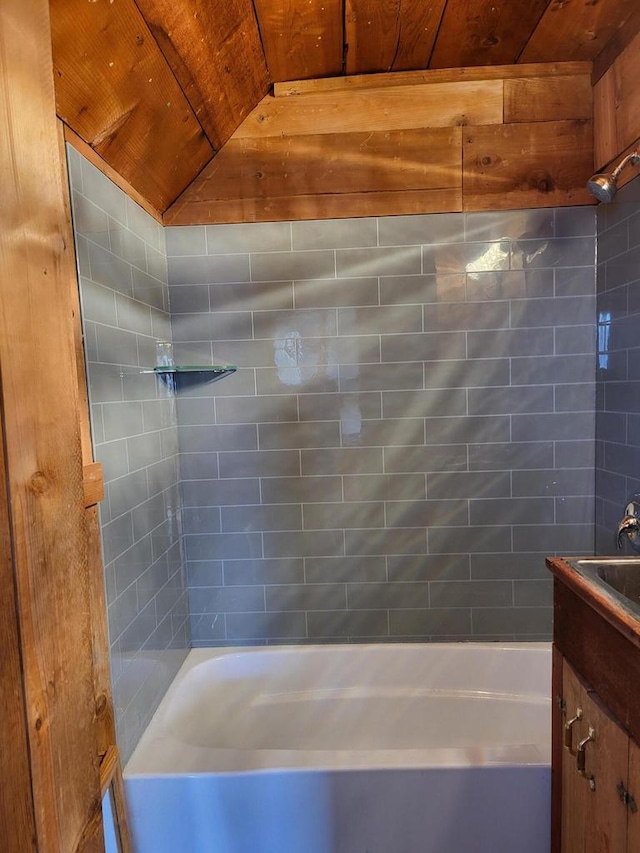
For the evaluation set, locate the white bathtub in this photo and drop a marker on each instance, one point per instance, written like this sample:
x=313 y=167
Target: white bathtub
x=441 y=748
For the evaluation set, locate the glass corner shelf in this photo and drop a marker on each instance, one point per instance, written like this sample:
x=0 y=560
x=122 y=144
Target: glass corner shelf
x=196 y=372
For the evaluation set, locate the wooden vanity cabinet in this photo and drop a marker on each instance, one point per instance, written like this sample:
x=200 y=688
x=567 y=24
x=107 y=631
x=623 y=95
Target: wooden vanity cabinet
x=596 y=694
x=598 y=795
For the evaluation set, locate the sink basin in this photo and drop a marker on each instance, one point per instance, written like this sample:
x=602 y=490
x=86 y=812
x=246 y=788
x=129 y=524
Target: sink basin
x=619 y=577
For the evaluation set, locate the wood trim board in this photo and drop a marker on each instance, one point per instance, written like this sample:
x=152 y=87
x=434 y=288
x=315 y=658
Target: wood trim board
x=42 y=438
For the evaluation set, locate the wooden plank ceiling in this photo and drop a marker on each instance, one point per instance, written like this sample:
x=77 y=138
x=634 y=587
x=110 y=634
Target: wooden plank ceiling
x=488 y=138
x=157 y=88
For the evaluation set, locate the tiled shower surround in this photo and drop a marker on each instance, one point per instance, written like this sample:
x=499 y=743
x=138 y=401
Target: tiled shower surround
x=410 y=432
x=617 y=362
x=124 y=293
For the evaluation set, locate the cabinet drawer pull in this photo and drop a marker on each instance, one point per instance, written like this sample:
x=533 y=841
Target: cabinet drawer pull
x=568 y=733
x=581 y=754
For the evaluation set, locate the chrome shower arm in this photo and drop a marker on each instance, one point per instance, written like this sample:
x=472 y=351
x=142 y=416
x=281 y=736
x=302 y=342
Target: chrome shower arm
x=633 y=158
x=604 y=185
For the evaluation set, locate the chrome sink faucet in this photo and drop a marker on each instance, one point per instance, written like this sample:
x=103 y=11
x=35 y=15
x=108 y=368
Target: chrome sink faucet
x=630 y=524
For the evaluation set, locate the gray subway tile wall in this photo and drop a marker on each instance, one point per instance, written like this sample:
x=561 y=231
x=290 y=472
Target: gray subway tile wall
x=618 y=377
x=125 y=301
x=409 y=434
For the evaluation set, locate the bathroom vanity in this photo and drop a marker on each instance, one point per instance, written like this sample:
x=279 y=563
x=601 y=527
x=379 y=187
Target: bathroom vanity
x=596 y=706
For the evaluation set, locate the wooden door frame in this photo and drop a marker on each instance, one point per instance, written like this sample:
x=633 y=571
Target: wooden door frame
x=56 y=655
x=17 y=818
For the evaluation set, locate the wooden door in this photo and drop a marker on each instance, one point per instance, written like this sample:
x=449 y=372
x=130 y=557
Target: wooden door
x=594 y=810
x=574 y=791
x=607 y=764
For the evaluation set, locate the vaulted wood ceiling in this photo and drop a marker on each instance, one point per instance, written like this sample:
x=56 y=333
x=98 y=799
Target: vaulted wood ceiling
x=320 y=38
x=157 y=87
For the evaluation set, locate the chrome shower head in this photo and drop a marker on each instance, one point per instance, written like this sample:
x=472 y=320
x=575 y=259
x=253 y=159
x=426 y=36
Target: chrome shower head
x=604 y=187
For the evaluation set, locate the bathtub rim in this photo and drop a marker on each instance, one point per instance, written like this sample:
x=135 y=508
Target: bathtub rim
x=159 y=754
